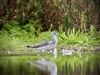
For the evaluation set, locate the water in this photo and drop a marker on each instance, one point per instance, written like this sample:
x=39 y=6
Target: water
x=86 y=64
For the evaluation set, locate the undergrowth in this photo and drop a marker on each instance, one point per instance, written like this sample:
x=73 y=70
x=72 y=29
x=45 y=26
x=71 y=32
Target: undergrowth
x=15 y=37
x=79 y=37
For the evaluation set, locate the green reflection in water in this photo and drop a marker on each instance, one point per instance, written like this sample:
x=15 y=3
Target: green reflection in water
x=87 y=64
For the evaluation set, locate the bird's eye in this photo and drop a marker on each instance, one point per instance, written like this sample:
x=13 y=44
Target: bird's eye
x=54 y=33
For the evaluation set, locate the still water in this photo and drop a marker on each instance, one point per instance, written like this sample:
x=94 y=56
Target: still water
x=86 y=64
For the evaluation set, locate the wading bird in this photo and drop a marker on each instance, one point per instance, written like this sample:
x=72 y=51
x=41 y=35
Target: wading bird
x=49 y=45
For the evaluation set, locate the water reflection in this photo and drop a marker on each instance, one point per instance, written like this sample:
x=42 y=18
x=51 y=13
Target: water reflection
x=87 y=64
x=45 y=66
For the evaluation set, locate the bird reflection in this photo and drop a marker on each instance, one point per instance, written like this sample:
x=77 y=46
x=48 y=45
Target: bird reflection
x=45 y=65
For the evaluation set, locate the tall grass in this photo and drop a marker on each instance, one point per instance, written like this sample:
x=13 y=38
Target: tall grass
x=15 y=37
x=79 y=37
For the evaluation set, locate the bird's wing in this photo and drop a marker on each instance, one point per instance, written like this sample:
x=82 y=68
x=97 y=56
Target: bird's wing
x=50 y=42
x=40 y=45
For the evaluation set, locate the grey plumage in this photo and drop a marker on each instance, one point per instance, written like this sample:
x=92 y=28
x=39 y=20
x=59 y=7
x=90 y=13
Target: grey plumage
x=49 y=45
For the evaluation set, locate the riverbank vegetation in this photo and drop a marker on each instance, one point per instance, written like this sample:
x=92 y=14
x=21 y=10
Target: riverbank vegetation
x=28 y=22
x=12 y=36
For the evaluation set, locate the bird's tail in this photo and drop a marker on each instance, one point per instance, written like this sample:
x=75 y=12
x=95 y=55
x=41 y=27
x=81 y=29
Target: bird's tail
x=36 y=46
x=30 y=47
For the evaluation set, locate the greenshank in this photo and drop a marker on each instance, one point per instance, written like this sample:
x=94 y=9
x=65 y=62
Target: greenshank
x=49 y=45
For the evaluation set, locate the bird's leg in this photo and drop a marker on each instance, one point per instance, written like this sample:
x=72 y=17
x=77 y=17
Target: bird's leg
x=55 y=53
x=50 y=51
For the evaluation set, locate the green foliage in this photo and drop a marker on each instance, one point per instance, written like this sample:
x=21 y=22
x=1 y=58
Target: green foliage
x=78 y=14
x=13 y=36
x=78 y=37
